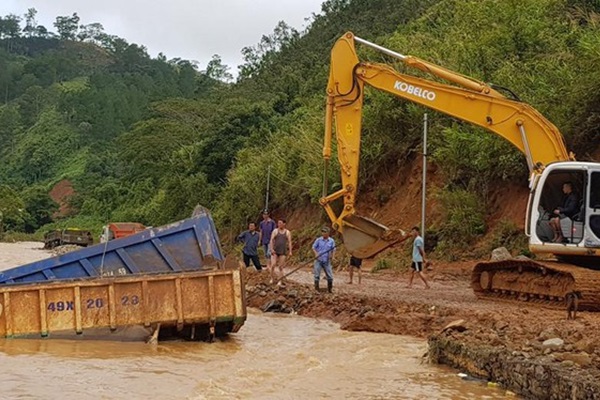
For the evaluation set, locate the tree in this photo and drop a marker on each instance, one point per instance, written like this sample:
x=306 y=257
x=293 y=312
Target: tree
x=91 y=32
x=30 y=22
x=67 y=26
x=39 y=207
x=10 y=29
x=217 y=70
x=41 y=31
x=256 y=57
x=10 y=127
x=12 y=209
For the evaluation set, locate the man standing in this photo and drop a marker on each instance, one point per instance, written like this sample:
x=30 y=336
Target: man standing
x=418 y=257
x=250 y=250
x=324 y=249
x=355 y=263
x=281 y=247
x=267 y=226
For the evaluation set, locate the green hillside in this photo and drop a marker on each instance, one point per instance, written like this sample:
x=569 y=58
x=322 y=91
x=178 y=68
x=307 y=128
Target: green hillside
x=144 y=139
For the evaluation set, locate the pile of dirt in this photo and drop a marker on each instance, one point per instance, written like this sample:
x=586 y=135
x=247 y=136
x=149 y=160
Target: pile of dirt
x=61 y=194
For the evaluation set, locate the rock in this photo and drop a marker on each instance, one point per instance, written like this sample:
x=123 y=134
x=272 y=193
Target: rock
x=500 y=325
x=567 y=363
x=522 y=258
x=553 y=343
x=293 y=294
x=262 y=293
x=271 y=306
x=501 y=254
x=586 y=345
x=458 y=325
x=547 y=334
x=582 y=359
x=539 y=372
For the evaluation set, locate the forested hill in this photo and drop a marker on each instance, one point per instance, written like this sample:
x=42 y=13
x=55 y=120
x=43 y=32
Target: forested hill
x=144 y=139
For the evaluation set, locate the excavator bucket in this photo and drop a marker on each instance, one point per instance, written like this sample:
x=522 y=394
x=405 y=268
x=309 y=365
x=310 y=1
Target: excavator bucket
x=364 y=238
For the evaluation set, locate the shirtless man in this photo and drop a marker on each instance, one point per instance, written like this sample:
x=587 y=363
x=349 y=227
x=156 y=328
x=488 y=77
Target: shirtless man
x=281 y=248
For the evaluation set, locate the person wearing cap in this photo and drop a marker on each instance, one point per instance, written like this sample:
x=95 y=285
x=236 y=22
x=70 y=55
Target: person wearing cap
x=267 y=226
x=324 y=249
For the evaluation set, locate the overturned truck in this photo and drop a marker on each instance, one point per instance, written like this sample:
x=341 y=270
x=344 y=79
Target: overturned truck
x=167 y=281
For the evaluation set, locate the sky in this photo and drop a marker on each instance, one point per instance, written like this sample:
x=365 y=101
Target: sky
x=188 y=29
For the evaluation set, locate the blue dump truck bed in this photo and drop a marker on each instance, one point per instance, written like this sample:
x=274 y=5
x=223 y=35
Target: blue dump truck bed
x=184 y=246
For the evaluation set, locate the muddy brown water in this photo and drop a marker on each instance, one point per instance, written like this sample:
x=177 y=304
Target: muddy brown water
x=272 y=357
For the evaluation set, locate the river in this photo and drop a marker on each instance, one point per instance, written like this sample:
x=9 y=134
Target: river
x=272 y=357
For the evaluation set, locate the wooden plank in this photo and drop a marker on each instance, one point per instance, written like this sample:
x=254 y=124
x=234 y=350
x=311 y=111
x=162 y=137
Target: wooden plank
x=112 y=312
x=77 y=309
x=179 y=301
x=43 y=314
x=9 y=315
x=145 y=301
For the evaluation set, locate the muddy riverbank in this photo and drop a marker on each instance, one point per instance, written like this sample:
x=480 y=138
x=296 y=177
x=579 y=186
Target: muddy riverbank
x=525 y=348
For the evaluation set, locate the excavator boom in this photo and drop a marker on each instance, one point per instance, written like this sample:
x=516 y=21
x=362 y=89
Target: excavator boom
x=467 y=100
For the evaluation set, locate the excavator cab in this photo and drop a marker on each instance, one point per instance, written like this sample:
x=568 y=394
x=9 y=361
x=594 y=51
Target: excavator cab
x=580 y=227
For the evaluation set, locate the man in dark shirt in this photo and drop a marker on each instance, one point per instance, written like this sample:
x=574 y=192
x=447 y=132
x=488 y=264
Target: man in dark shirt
x=267 y=226
x=250 y=250
x=569 y=208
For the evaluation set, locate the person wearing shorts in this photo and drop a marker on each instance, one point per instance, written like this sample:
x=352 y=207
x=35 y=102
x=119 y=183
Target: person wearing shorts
x=355 y=263
x=250 y=250
x=281 y=248
x=418 y=257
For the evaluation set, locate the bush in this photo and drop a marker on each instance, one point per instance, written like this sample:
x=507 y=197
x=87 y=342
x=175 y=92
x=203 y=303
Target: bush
x=464 y=217
x=507 y=234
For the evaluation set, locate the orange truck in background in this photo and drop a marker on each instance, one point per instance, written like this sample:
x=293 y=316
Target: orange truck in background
x=116 y=230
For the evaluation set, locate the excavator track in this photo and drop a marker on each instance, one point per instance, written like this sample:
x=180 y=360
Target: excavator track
x=545 y=283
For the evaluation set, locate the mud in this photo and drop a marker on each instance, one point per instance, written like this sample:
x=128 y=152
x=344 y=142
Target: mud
x=500 y=342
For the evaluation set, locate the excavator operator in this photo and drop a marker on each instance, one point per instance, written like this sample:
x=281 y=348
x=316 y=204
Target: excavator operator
x=568 y=209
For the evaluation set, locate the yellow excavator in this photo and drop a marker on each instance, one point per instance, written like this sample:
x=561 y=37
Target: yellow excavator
x=571 y=271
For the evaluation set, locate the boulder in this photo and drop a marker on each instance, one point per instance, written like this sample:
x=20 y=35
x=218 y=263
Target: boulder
x=586 y=345
x=458 y=325
x=553 y=343
x=501 y=254
x=272 y=306
x=582 y=359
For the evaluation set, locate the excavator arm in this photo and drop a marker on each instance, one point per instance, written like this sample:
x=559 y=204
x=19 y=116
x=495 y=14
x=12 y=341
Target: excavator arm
x=467 y=100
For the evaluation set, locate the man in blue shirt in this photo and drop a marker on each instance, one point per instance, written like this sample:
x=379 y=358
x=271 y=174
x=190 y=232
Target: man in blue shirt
x=250 y=250
x=324 y=249
x=418 y=257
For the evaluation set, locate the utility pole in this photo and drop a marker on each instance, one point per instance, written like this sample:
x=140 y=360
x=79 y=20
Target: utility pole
x=424 y=187
x=268 y=187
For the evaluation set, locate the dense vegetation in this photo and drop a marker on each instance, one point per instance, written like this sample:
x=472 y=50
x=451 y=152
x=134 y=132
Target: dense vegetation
x=145 y=139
